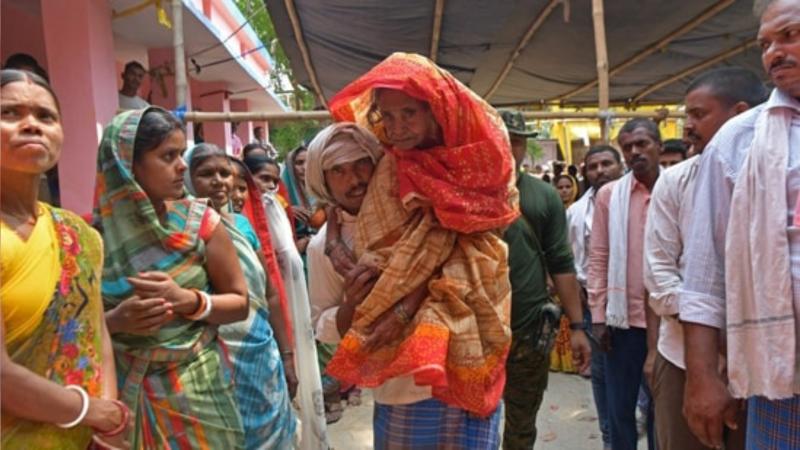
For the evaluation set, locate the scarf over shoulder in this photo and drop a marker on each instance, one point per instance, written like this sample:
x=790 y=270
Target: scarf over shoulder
x=433 y=216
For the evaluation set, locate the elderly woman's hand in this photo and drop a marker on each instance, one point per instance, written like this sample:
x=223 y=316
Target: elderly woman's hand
x=341 y=257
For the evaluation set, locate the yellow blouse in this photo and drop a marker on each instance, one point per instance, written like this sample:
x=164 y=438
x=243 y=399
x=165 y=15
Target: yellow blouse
x=29 y=271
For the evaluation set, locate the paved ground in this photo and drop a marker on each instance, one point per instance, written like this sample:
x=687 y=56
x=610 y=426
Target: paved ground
x=567 y=420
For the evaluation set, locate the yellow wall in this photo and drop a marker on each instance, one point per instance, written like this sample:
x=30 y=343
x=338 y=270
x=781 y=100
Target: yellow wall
x=565 y=131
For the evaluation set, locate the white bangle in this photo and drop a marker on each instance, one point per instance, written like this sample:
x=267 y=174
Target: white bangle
x=84 y=406
x=209 y=304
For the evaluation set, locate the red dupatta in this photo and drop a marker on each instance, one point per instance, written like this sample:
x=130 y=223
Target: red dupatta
x=253 y=209
x=467 y=179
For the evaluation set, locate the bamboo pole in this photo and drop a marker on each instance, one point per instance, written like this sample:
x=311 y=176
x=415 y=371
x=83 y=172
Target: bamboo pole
x=601 y=54
x=658 y=46
x=323 y=116
x=438 y=12
x=301 y=44
x=180 y=56
x=694 y=69
x=532 y=29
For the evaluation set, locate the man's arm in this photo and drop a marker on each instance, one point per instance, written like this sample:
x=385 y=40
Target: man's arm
x=561 y=267
x=663 y=246
x=325 y=291
x=707 y=403
x=662 y=252
x=598 y=258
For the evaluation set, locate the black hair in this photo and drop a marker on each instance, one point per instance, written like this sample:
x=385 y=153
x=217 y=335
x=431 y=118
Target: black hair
x=731 y=85
x=255 y=163
x=8 y=76
x=24 y=61
x=639 y=122
x=253 y=146
x=204 y=151
x=573 y=170
x=594 y=150
x=572 y=180
x=132 y=65
x=240 y=165
x=675 y=146
x=154 y=127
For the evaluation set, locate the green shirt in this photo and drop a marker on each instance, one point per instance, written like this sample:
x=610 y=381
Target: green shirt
x=528 y=262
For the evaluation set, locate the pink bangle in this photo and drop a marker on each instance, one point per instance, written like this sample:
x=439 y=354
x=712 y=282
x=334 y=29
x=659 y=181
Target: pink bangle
x=126 y=417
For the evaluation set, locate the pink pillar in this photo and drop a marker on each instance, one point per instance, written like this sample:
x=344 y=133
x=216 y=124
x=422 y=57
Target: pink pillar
x=80 y=58
x=162 y=93
x=245 y=131
x=213 y=97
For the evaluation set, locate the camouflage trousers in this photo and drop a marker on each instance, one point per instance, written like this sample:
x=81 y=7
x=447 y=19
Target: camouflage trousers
x=526 y=379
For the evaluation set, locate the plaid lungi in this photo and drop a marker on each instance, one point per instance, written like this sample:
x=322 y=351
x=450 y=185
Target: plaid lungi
x=773 y=424
x=433 y=425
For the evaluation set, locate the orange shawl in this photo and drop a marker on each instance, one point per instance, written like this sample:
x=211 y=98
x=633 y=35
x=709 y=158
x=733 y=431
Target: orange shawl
x=458 y=340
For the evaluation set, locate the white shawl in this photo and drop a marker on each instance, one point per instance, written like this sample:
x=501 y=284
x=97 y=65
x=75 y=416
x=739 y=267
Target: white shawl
x=758 y=281
x=618 y=208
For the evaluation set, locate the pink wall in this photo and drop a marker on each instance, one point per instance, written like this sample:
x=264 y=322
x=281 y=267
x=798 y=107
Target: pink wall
x=245 y=130
x=213 y=97
x=21 y=32
x=83 y=74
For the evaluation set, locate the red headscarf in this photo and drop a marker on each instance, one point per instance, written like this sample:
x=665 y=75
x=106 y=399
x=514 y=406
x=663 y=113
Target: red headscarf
x=467 y=179
x=253 y=209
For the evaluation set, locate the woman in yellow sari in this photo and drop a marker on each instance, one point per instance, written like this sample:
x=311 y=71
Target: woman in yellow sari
x=57 y=366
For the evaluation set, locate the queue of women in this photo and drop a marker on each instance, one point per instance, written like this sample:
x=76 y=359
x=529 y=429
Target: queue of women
x=180 y=317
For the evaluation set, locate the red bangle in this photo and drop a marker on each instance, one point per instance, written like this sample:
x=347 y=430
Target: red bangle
x=201 y=306
x=126 y=417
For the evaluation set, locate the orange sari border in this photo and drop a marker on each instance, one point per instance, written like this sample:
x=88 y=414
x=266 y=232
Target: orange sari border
x=424 y=354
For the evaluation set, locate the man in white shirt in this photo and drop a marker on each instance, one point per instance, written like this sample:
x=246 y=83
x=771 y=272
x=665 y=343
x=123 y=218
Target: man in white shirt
x=741 y=285
x=602 y=164
x=132 y=78
x=711 y=100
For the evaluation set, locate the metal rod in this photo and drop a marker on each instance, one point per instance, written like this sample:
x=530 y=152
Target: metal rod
x=324 y=116
x=180 y=57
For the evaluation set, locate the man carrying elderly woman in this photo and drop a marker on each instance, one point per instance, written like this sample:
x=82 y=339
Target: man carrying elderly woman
x=425 y=316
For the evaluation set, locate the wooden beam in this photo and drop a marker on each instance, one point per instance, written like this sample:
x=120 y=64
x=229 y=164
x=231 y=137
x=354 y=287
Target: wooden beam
x=438 y=12
x=694 y=69
x=301 y=44
x=180 y=56
x=601 y=55
x=244 y=116
x=661 y=44
x=526 y=38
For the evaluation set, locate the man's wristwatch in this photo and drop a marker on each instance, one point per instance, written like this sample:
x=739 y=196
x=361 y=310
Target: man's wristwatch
x=577 y=326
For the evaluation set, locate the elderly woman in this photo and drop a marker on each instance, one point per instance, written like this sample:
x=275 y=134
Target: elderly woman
x=429 y=229
x=171 y=277
x=57 y=367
